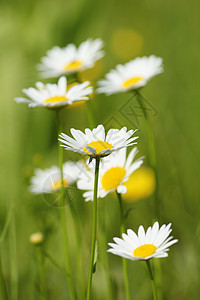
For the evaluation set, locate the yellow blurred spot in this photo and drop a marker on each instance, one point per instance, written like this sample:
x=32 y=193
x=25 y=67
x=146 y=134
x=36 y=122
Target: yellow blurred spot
x=126 y=43
x=58 y=184
x=144 y=250
x=36 y=238
x=92 y=74
x=56 y=99
x=141 y=184
x=73 y=66
x=131 y=81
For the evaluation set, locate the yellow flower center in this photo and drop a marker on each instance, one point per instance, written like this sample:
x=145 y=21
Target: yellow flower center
x=144 y=250
x=73 y=66
x=98 y=146
x=56 y=99
x=131 y=81
x=57 y=185
x=112 y=178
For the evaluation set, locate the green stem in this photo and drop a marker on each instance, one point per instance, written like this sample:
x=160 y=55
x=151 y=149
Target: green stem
x=94 y=228
x=40 y=259
x=63 y=219
x=14 y=259
x=2 y=282
x=152 y=151
x=51 y=259
x=152 y=280
x=122 y=229
x=79 y=258
x=104 y=254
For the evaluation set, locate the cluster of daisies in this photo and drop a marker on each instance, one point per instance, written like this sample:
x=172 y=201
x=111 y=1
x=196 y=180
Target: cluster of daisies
x=116 y=165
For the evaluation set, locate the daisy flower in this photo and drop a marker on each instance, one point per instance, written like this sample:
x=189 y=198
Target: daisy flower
x=95 y=143
x=71 y=59
x=144 y=246
x=114 y=172
x=55 y=95
x=49 y=180
x=130 y=76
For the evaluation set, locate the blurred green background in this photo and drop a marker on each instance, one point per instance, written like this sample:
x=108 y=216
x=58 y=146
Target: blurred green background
x=169 y=29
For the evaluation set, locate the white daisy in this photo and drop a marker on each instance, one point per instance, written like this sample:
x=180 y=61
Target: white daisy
x=71 y=59
x=94 y=142
x=130 y=76
x=49 y=180
x=154 y=243
x=55 y=95
x=114 y=171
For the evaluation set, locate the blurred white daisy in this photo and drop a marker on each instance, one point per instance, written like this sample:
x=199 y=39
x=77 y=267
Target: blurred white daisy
x=55 y=95
x=95 y=143
x=49 y=180
x=130 y=76
x=143 y=246
x=113 y=173
x=71 y=59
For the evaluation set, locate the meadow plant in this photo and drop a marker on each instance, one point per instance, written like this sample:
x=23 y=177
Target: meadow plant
x=108 y=167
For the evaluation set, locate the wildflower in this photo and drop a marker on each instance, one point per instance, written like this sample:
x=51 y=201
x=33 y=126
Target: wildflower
x=95 y=143
x=114 y=172
x=49 y=180
x=55 y=95
x=144 y=246
x=70 y=59
x=131 y=76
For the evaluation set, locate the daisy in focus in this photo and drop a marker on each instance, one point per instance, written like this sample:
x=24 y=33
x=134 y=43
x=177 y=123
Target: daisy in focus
x=49 y=180
x=55 y=95
x=95 y=143
x=70 y=59
x=144 y=246
x=131 y=76
x=114 y=172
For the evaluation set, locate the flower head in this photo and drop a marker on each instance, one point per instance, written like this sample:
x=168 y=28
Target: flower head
x=55 y=95
x=113 y=174
x=130 y=76
x=143 y=246
x=71 y=59
x=49 y=180
x=95 y=143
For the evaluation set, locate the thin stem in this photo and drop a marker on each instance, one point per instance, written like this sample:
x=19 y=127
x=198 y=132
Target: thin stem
x=94 y=228
x=2 y=237
x=2 y=282
x=14 y=259
x=52 y=260
x=122 y=229
x=104 y=254
x=79 y=258
x=40 y=260
x=152 y=280
x=152 y=151
x=63 y=219
x=7 y=223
